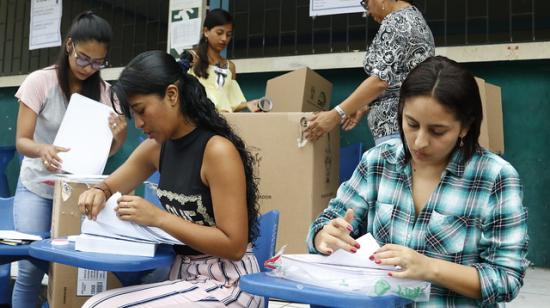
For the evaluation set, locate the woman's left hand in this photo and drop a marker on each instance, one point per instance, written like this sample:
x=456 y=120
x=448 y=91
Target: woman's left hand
x=353 y=119
x=414 y=265
x=138 y=210
x=117 y=124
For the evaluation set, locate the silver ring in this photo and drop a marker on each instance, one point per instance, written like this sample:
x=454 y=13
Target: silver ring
x=114 y=125
x=46 y=163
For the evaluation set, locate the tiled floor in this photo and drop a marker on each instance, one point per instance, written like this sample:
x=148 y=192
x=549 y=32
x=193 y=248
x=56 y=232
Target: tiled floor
x=535 y=292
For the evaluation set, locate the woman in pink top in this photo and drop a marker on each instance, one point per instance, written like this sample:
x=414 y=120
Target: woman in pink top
x=43 y=98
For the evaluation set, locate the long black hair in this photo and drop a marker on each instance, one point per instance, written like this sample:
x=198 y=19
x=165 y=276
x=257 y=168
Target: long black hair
x=86 y=27
x=214 y=18
x=453 y=87
x=150 y=73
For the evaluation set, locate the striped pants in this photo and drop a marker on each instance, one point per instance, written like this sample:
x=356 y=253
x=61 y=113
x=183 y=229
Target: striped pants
x=195 y=281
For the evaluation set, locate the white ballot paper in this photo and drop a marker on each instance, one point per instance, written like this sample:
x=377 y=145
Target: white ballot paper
x=85 y=131
x=108 y=224
x=343 y=258
x=15 y=235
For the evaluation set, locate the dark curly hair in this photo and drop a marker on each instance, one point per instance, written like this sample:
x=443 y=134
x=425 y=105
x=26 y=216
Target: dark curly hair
x=150 y=73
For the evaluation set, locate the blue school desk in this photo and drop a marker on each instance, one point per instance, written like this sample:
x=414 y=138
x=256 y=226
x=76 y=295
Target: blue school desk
x=10 y=254
x=273 y=287
x=66 y=254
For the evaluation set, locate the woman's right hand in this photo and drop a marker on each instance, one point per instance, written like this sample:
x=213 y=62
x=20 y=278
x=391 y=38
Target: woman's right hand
x=91 y=202
x=49 y=157
x=321 y=123
x=253 y=105
x=336 y=235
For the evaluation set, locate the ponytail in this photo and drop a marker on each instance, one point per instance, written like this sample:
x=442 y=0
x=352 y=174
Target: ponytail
x=201 y=67
x=86 y=27
x=199 y=109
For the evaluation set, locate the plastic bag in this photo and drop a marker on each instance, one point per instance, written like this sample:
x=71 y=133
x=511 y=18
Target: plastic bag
x=306 y=269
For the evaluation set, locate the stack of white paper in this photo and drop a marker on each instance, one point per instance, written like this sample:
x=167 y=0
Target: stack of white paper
x=109 y=234
x=85 y=131
x=101 y=244
x=12 y=237
x=343 y=260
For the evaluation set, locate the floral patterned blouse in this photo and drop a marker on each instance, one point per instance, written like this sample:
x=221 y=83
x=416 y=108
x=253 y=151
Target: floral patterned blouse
x=403 y=41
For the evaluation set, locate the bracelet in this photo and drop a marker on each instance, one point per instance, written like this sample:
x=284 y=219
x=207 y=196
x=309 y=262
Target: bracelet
x=340 y=112
x=105 y=189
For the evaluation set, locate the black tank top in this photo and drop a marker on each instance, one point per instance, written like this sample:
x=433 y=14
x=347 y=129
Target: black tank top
x=181 y=190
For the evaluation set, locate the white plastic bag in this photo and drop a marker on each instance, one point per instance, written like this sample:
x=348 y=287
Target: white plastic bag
x=307 y=269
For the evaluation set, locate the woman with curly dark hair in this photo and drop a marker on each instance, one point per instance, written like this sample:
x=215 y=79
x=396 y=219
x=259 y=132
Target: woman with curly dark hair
x=206 y=186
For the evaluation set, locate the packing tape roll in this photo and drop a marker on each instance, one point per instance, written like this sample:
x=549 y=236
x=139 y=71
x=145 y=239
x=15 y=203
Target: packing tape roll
x=265 y=104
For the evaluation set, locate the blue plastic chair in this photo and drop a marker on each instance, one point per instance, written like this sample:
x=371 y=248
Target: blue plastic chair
x=6 y=155
x=6 y=223
x=264 y=245
x=350 y=156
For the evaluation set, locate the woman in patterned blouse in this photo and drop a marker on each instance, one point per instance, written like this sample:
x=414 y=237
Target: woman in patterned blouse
x=445 y=209
x=403 y=40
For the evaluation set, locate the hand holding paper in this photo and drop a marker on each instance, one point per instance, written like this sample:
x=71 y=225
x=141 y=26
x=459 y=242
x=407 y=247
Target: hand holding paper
x=336 y=235
x=108 y=224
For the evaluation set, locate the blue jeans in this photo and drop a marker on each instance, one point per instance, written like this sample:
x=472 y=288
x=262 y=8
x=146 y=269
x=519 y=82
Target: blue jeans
x=31 y=214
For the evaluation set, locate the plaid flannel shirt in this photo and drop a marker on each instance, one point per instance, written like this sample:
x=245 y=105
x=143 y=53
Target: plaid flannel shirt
x=474 y=217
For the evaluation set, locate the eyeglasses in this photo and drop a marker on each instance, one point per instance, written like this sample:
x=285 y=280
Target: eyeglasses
x=364 y=4
x=84 y=61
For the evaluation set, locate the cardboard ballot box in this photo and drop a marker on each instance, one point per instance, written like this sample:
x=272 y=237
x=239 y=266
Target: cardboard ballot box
x=302 y=90
x=296 y=177
x=492 y=133
x=70 y=286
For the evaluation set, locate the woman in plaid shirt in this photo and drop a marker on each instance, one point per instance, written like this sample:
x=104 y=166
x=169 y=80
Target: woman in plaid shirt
x=445 y=209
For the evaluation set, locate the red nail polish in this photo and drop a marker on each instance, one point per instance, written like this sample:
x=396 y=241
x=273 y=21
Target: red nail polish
x=357 y=246
x=371 y=258
x=390 y=274
x=377 y=261
x=350 y=228
x=353 y=250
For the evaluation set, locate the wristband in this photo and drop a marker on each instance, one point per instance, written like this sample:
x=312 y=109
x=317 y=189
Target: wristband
x=340 y=112
x=105 y=189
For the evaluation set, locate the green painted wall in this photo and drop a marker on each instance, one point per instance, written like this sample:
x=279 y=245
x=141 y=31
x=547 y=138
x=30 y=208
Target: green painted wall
x=526 y=108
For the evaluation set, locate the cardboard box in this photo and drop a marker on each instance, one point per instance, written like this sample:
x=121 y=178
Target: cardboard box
x=297 y=179
x=492 y=133
x=66 y=284
x=302 y=90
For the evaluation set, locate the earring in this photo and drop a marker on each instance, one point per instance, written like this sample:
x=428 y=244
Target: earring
x=460 y=142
